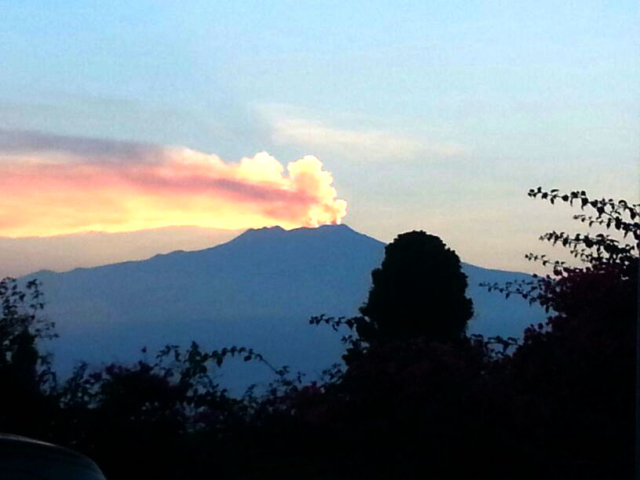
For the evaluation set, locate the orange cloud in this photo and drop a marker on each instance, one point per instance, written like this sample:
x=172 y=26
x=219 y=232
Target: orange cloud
x=61 y=187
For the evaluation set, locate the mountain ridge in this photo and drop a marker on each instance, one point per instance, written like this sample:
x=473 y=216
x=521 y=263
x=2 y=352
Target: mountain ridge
x=257 y=290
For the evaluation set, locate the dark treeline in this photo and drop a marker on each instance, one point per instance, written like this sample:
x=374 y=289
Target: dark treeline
x=416 y=397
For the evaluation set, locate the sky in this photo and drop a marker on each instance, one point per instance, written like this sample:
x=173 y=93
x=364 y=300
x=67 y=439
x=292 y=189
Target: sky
x=389 y=116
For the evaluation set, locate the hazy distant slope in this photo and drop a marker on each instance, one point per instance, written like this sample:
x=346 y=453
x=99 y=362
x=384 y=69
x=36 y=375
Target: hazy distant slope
x=21 y=256
x=257 y=290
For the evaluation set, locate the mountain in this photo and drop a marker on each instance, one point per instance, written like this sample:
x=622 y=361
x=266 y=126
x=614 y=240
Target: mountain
x=20 y=256
x=258 y=290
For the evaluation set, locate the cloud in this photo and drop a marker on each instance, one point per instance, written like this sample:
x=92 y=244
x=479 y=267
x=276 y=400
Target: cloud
x=367 y=144
x=25 y=142
x=59 y=185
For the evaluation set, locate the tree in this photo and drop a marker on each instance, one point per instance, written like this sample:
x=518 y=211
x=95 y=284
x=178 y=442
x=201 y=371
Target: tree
x=25 y=373
x=583 y=361
x=575 y=374
x=560 y=406
x=20 y=325
x=418 y=292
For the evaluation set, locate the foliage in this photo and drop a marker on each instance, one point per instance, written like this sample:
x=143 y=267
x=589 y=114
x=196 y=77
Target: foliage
x=595 y=249
x=561 y=401
x=418 y=291
x=20 y=324
x=576 y=371
x=25 y=373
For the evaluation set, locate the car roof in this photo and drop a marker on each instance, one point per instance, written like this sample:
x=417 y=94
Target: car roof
x=16 y=449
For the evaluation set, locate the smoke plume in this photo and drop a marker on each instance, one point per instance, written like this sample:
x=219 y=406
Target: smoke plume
x=59 y=185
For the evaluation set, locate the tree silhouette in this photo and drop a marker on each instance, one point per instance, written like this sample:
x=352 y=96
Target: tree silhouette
x=418 y=292
x=25 y=373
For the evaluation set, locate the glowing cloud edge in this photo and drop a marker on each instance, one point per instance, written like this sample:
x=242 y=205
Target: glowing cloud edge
x=59 y=191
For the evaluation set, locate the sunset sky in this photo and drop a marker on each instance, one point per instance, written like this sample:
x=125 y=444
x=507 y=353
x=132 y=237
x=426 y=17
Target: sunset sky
x=389 y=116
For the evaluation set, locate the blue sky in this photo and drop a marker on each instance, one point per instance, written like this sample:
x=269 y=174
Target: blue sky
x=435 y=115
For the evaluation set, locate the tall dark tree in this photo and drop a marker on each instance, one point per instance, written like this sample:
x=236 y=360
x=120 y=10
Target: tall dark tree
x=25 y=373
x=418 y=292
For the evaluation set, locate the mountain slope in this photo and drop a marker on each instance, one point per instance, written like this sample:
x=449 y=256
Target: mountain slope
x=258 y=290
x=21 y=256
